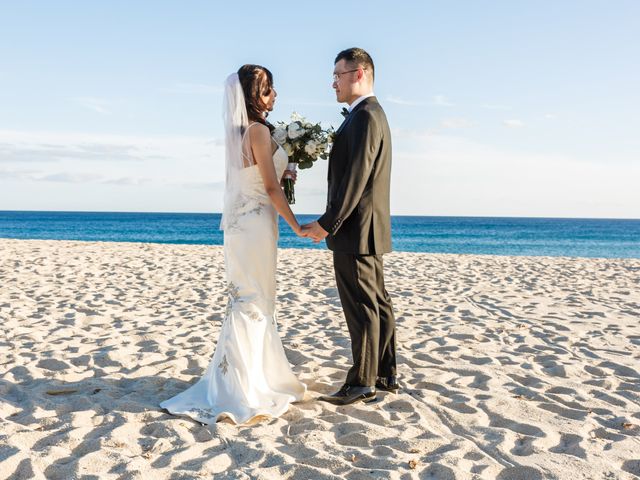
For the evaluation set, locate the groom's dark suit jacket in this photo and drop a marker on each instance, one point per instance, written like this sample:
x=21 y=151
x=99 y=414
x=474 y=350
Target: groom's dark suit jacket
x=358 y=214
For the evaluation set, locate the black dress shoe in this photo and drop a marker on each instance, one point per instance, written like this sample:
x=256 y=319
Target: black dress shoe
x=388 y=384
x=349 y=394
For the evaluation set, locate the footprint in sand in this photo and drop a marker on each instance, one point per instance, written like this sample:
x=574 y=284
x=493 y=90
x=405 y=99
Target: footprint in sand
x=523 y=446
x=519 y=473
x=570 y=445
x=632 y=466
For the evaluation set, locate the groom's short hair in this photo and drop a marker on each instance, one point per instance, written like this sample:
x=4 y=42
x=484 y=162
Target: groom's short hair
x=357 y=56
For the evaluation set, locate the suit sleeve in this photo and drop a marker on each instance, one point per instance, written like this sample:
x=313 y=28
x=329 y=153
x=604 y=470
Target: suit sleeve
x=364 y=140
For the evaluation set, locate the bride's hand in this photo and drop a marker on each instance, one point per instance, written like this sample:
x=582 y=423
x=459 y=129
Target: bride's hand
x=290 y=173
x=298 y=231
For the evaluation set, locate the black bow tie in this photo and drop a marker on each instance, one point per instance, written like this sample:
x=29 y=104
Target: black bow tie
x=345 y=112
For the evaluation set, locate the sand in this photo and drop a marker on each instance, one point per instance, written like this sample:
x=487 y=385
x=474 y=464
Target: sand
x=512 y=368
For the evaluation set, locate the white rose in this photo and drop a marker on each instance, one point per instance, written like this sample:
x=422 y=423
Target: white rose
x=294 y=131
x=280 y=135
x=296 y=117
x=311 y=147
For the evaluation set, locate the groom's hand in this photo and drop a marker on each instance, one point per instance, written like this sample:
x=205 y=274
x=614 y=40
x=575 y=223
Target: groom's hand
x=314 y=231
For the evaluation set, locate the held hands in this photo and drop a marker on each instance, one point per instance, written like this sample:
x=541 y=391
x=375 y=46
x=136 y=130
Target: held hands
x=313 y=231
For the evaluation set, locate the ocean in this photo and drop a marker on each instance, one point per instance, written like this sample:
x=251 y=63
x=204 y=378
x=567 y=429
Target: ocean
x=573 y=237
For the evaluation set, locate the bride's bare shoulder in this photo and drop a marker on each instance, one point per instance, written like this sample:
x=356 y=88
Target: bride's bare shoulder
x=259 y=133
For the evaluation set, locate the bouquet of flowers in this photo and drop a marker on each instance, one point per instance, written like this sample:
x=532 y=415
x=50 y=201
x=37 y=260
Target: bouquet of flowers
x=304 y=143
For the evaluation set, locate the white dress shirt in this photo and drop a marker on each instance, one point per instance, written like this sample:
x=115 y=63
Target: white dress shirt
x=359 y=99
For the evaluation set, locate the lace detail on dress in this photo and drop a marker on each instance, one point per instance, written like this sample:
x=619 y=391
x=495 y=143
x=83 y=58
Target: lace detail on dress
x=224 y=365
x=243 y=306
x=245 y=205
x=233 y=296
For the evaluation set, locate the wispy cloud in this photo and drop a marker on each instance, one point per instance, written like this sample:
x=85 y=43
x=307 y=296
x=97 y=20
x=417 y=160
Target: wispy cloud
x=513 y=123
x=456 y=123
x=11 y=153
x=402 y=101
x=21 y=146
x=127 y=181
x=69 y=177
x=17 y=174
x=39 y=152
x=218 y=142
x=98 y=105
x=441 y=174
x=132 y=164
x=442 y=101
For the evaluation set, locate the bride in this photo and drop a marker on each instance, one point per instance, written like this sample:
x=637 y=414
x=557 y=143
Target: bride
x=249 y=375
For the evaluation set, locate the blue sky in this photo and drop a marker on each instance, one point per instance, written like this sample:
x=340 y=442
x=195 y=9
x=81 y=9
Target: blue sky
x=497 y=108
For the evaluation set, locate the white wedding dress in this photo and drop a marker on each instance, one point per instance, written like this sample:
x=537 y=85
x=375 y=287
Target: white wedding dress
x=249 y=375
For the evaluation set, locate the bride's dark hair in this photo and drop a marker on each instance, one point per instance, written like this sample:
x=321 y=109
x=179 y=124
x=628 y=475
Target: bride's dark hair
x=256 y=80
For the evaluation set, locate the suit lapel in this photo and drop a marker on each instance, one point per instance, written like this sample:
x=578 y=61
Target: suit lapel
x=371 y=99
x=343 y=126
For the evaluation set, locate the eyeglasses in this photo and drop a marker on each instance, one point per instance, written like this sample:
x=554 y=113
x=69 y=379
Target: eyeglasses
x=336 y=76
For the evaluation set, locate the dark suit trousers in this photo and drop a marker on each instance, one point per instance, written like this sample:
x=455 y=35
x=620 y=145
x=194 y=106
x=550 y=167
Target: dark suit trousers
x=369 y=315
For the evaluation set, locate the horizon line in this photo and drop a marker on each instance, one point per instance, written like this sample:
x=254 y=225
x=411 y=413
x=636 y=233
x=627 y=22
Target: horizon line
x=319 y=214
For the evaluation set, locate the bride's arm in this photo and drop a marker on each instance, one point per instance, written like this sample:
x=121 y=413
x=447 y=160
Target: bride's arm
x=261 y=149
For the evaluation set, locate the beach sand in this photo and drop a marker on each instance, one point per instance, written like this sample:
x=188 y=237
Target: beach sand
x=512 y=368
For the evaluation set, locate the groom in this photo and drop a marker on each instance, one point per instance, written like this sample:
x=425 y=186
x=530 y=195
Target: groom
x=357 y=227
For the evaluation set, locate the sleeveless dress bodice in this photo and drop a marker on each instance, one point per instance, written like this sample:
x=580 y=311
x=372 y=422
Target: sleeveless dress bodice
x=251 y=180
x=253 y=199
